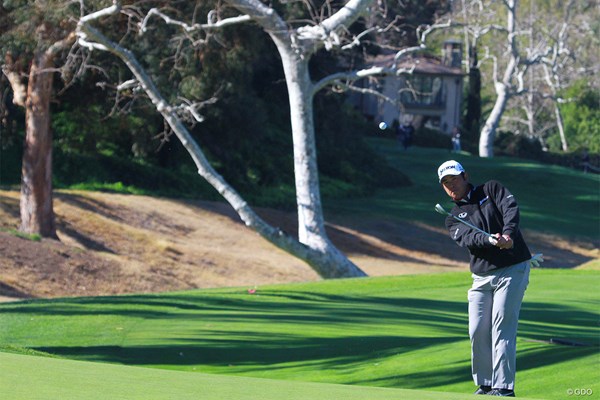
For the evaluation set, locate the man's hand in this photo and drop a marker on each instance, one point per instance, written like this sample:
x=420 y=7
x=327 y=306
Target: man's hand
x=494 y=239
x=502 y=241
x=505 y=242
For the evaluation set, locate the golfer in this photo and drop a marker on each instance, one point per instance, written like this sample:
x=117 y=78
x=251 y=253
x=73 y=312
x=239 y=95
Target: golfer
x=500 y=269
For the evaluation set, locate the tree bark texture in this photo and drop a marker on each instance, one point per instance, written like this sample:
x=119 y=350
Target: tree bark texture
x=311 y=223
x=488 y=133
x=37 y=214
x=561 y=127
x=503 y=87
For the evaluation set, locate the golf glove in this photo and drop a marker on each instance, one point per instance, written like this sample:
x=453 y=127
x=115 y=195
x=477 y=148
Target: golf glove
x=536 y=260
x=493 y=240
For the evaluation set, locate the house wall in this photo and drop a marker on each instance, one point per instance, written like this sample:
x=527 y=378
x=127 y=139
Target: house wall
x=447 y=115
x=443 y=118
x=454 y=90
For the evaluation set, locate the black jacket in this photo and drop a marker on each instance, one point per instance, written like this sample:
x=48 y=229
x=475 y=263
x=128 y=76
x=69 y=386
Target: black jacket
x=492 y=208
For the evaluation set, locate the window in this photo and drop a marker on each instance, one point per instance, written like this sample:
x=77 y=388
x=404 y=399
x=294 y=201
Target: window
x=422 y=90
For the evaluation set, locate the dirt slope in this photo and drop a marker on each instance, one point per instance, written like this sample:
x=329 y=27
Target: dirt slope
x=114 y=244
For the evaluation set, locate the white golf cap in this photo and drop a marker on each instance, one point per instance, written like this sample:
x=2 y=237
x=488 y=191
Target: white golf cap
x=450 y=168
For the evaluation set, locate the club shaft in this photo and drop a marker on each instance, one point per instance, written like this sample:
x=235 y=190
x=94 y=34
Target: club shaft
x=470 y=225
x=441 y=210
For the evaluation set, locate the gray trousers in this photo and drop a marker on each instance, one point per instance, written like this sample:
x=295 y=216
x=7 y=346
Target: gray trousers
x=494 y=305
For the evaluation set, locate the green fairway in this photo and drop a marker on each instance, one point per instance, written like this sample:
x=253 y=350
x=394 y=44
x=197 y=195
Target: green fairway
x=406 y=332
x=31 y=378
x=552 y=199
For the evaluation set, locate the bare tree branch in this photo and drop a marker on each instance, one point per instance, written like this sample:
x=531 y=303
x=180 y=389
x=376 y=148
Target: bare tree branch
x=352 y=76
x=195 y=27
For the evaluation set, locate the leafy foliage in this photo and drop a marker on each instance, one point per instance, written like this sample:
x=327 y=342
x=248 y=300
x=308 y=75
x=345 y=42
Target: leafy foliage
x=27 y=27
x=581 y=118
x=342 y=151
x=507 y=143
x=426 y=137
x=115 y=174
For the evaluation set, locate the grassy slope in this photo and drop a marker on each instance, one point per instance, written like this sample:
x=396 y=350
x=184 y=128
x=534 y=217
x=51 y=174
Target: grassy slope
x=404 y=332
x=552 y=199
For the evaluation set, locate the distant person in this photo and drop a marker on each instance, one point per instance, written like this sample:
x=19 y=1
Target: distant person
x=585 y=161
x=500 y=269
x=405 y=135
x=400 y=134
x=456 y=140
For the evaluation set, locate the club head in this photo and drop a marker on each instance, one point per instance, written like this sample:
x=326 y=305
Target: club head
x=440 y=209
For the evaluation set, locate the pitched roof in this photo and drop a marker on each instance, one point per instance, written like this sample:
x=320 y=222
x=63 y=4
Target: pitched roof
x=423 y=64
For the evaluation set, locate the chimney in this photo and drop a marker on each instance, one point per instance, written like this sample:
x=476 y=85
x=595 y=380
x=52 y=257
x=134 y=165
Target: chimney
x=452 y=53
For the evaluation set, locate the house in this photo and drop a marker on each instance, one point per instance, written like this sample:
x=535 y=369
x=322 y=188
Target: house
x=429 y=95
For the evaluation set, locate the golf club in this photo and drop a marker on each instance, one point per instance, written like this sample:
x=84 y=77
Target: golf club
x=441 y=210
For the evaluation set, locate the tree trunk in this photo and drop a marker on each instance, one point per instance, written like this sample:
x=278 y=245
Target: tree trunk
x=503 y=87
x=311 y=224
x=488 y=133
x=311 y=227
x=561 y=127
x=37 y=215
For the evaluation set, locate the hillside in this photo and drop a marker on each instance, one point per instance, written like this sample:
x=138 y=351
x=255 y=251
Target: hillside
x=114 y=244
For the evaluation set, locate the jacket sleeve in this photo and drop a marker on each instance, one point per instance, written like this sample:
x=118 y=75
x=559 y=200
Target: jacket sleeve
x=507 y=205
x=465 y=236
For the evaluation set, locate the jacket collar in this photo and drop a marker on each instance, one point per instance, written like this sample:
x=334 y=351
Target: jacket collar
x=467 y=200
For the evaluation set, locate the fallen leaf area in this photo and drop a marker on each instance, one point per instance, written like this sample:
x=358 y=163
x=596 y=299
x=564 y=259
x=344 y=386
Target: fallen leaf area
x=117 y=244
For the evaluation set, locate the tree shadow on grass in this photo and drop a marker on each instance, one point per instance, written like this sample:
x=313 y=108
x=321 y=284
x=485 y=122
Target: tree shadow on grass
x=544 y=321
x=298 y=308
x=548 y=354
x=306 y=330
x=442 y=376
x=544 y=356
x=286 y=331
x=255 y=352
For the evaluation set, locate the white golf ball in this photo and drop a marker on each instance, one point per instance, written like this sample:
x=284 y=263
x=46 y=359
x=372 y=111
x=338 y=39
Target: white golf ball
x=382 y=125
